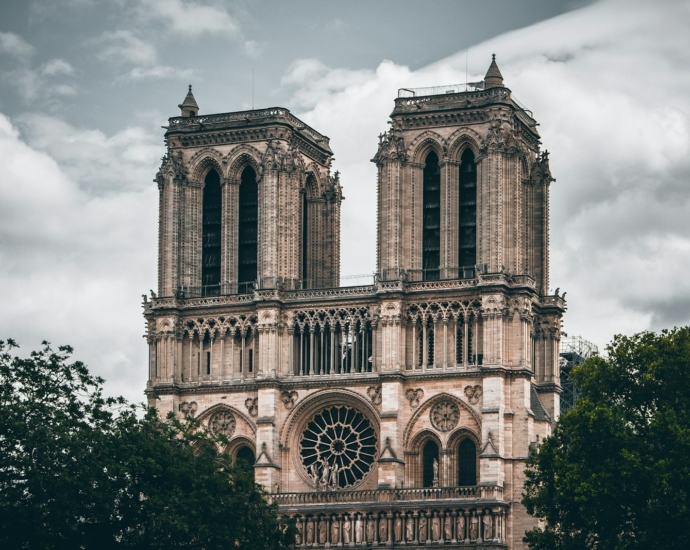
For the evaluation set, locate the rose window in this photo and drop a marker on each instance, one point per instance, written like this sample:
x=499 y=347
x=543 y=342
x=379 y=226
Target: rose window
x=222 y=423
x=445 y=416
x=338 y=448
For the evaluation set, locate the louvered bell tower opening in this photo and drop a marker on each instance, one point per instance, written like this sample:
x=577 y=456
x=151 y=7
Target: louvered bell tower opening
x=431 y=232
x=248 y=231
x=467 y=229
x=211 y=235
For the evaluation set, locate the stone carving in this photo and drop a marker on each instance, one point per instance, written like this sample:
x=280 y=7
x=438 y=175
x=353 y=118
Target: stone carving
x=445 y=416
x=487 y=527
x=435 y=528
x=335 y=531
x=288 y=398
x=371 y=529
x=434 y=467
x=474 y=527
x=347 y=531
x=414 y=397
x=252 y=405
x=374 y=393
x=383 y=530
x=323 y=531
x=422 y=527
x=222 y=423
x=397 y=529
x=473 y=393
x=188 y=408
x=460 y=528
x=358 y=529
x=310 y=531
x=448 y=528
x=409 y=529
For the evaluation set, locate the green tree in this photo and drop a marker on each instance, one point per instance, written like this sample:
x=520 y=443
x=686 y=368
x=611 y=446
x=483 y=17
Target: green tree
x=615 y=473
x=78 y=470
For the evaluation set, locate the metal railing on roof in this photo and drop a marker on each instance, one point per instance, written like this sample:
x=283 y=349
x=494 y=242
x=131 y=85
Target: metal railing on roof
x=440 y=90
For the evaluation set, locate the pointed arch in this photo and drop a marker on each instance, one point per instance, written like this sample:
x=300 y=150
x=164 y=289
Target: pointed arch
x=422 y=144
x=203 y=162
x=239 y=159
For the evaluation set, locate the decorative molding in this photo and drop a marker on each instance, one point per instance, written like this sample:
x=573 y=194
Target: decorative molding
x=289 y=397
x=444 y=415
x=374 y=393
x=414 y=397
x=188 y=408
x=252 y=405
x=473 y=393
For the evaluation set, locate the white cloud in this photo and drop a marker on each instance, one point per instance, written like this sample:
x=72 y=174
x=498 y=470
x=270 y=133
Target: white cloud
x=610 y=86
x=57 y=66
x=189 y=18
x=125 y=46
x=98 y=163
x=15 y=46
x=252 y=48
x=62 y=255
x=160 y=71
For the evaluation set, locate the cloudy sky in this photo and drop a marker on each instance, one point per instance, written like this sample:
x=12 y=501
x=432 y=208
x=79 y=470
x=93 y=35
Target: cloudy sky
x=85 y=86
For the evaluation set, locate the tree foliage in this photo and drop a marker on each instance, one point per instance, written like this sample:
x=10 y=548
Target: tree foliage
x=79 y=470
x=615 y=474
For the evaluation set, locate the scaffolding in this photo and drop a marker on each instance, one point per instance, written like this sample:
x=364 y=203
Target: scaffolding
x=573 y=352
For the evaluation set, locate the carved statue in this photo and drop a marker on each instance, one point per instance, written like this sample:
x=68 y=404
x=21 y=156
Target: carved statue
x=422 y=526
x=334 y=477
x=488 y=527
x=448 y=528
x=323 y=531
x=346 y=531
x=383 y=530
x=409 y=528
x=358 y=529
x=335 y=531
x=314 y=473
x=298 y=536
x=435 y=528
x=397 y=529
x=325 y=475
x=310 y=531
x=434 y=465
x=474 y=527
x=460 y=530
x=371 y=529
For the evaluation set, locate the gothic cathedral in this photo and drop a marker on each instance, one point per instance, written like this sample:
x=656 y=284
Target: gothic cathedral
x=398 y=413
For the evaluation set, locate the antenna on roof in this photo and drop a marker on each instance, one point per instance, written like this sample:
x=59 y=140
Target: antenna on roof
x=252 y=88
x=467 y=49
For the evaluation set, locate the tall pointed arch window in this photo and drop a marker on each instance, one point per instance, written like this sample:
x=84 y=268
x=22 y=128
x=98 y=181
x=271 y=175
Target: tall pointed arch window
x=467 y=218
x=211 y=234
x=431 y=229
x=429 y=469
x=247 y=230
x=467 y=462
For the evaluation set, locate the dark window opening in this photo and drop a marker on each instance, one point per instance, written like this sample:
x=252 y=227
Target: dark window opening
x=459 y=340
x=192 y=113
x=305 y=234
x=467 y=463
x=248 y=230
x=250 y=365
x=245 y=459
x=429 y=454
x=431 y=225
x=467 y=211
x=208 y=362
x=211 y=235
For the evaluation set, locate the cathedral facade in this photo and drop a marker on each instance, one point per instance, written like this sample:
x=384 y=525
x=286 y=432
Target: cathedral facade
x=393 y=414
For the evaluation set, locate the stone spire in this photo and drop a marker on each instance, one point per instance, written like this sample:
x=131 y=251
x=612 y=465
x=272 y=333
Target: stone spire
x=493 y=78
x=189 y=106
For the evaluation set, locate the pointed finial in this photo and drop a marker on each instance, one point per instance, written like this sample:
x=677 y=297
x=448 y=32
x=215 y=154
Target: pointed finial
x=189 y=106
x=493 y=78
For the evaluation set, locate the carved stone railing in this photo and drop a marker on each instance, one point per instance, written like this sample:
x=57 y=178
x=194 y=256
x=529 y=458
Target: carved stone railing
x=389 y=495
x=442 y=523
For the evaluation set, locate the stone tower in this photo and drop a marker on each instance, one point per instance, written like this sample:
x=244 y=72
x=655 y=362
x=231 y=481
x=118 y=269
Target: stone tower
x=397 y=413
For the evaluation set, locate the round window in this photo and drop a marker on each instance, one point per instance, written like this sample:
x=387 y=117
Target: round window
x=338 y=448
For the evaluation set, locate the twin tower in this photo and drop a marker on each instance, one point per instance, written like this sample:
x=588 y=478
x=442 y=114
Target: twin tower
x=398 y=413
